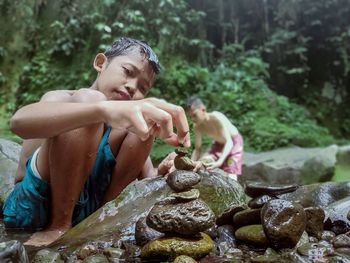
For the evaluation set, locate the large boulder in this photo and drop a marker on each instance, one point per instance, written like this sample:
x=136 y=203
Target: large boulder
x=291 y=165
x=9 y=157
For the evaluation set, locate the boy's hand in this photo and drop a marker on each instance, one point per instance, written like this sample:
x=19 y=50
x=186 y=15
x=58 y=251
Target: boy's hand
x=149 y=117
x=212 y=165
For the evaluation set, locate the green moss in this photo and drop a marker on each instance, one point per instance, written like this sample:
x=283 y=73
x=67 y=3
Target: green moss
x=342 y=173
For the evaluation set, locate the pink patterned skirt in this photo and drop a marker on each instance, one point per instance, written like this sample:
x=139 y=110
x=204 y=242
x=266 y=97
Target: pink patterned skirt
x=234 y=160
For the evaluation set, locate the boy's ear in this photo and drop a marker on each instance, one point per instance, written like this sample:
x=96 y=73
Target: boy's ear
x=100 y=62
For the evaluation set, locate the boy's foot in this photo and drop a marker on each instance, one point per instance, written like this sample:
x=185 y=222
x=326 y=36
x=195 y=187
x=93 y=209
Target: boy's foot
x=44 y=238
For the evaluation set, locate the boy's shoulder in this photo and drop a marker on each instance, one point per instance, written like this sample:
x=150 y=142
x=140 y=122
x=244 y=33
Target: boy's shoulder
x=81 y=95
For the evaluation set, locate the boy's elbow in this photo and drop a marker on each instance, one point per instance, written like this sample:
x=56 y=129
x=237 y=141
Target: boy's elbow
x=15 y=125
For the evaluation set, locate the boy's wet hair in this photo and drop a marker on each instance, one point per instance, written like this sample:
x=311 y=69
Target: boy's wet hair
x=125 y=45
x=193 y=102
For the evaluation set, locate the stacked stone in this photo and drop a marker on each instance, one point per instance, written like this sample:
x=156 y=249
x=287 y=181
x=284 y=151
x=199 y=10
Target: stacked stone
x=181 y=217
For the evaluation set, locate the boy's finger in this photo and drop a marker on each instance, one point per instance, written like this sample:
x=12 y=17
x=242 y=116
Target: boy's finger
x=139 y=125
x=161 y=117
x=179 y=117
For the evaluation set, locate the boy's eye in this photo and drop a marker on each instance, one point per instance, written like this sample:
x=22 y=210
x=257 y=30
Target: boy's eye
x=127 y=71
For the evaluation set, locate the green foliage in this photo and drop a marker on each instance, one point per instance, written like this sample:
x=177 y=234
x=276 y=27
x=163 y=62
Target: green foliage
x=294 y=47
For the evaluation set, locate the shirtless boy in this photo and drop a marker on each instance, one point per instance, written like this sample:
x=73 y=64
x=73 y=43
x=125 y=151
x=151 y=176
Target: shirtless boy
x=227 y=150
x=83 y=147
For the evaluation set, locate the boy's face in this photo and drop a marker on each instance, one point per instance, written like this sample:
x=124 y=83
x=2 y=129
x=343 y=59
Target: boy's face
x=127 y=77
x=197 y=114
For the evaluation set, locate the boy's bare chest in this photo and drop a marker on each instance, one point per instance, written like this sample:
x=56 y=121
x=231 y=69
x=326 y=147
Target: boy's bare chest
x=213 y=130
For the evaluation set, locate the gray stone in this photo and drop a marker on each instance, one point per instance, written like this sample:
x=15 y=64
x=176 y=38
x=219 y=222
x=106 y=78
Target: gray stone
x=186 y=218
x=319 y=194
x=259 y=201
x=253 y=235
x=144 y=233
x=342 y=240
x=187 y=195
x=247 y=217
x=293 y=165
x=336 y=219
x=315 y=251
x=9 y=156
x=256 y=189
x=314 y=221
x=181 y=180
x=13 y=251
x=284 y=223
x=226 y=218
x=47 y=256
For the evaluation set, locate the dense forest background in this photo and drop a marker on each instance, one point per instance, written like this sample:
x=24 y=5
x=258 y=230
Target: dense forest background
x=280 y=70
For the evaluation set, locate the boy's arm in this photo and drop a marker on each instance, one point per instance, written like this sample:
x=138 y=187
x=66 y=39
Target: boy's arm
x=198 y=144
x=143 y=117
x=228 y=144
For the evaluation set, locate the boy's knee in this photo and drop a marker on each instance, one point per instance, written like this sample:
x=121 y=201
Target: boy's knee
x=88 y=95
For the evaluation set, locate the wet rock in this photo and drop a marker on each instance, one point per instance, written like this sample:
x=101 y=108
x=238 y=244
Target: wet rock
x=338 y=259
x=259 y=201
x=187 y=195
x=47 y=256
x=213 y=259
x=177 y=246
x=314 y=221
x=144 y=233
x=247 y=217
x=9 y=157
x=13 y=251
x=313 y=239
x=113 y=253
x=327 y=236
x=212 y=232
x=184 y=218
x=96 y=259
x=348 y=215
x=294 y=257
x=234 y=254
x=184 y=259
x=267 y=259
x=226 y=218
x=304 y=239
x=337 y=220
x=183 y=163
x=253 y=234
x=226 y=239
x=87 y=250
x=283 y=222
x=345 y=251
x=319 y=195
x=270 y=255
x=180 y=180
x=342 y=240
x=315 y=251
x=256 y=189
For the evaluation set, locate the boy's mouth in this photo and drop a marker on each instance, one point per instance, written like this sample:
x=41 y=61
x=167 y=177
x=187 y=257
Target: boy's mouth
x=123 y=95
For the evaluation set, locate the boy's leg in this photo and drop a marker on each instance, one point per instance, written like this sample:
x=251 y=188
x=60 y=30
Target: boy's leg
x=130 y=160
x=66 y=162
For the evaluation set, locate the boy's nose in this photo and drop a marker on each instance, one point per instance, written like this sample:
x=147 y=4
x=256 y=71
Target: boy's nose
x=131 y=90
